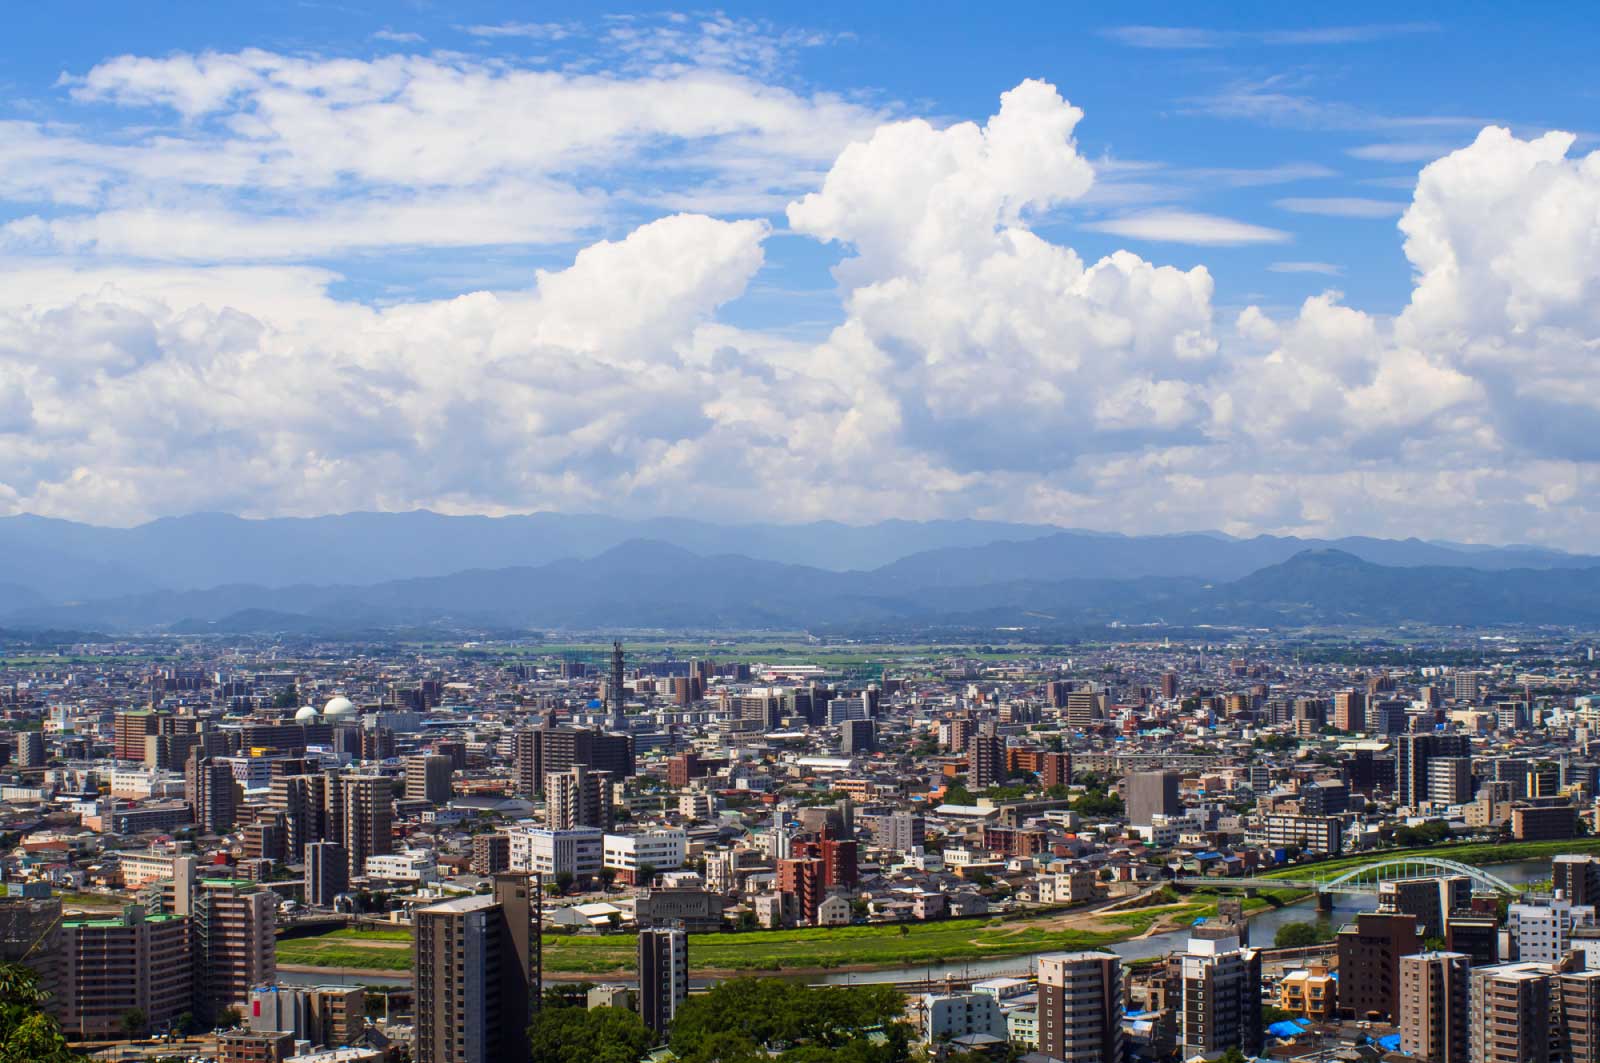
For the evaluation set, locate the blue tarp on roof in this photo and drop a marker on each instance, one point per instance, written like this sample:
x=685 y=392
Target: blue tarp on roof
x=594 y=703
x=1288 y=1028
x=1389 y=1042
x=1208 y=856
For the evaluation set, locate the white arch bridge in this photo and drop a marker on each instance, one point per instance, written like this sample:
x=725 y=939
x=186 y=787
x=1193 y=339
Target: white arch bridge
x=1364 y=879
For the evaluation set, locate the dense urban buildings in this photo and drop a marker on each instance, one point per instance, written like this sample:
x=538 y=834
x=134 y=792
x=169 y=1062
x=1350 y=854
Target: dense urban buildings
x=362 y=804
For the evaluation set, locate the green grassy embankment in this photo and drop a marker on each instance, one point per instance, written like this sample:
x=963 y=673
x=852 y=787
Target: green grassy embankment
x=894 y=945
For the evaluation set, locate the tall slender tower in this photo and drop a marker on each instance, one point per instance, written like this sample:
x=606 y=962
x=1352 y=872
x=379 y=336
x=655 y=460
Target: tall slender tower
x=618 y=721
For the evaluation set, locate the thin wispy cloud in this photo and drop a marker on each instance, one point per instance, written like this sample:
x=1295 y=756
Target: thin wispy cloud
x=1325 y=268
x=533 y=31
x=398 y=37
x=1280 y=100
x=1194 y=38
x=1342 y=206
x=1403 y=151
x=1188 y=227
x=1266 y=175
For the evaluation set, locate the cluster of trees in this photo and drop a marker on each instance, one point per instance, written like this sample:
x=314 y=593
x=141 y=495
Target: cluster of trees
x=1301 y=935
x=1430 y=833
x=746 y=1020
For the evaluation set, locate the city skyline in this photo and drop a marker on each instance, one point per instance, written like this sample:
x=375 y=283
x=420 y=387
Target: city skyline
x=1139 y=274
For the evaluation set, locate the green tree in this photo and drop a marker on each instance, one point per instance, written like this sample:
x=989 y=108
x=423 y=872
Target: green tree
x=748 y=1015
x=229 y=1018
x=1233 y=1055
x=567 y=994
x=27 y=1033
x=957 y=794
x=135 y=1023
x=603 y=1035
x=1298 y=935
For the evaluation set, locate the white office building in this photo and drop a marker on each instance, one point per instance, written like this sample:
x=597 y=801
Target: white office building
x=664 y=850
x=577 y=852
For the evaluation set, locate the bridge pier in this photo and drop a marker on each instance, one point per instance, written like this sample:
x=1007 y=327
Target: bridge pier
x=1324 y=903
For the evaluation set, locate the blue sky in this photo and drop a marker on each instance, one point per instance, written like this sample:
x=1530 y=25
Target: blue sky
x=271 y=203
x=1344 y=109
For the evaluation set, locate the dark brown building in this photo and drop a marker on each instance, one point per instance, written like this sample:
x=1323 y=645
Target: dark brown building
x=1369 y=963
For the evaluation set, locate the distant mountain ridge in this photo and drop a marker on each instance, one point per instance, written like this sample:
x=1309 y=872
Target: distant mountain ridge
x=652 y=585
x=63 y=561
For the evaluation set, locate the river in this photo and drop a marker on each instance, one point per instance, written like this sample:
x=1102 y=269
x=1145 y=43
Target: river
x=1263 y=926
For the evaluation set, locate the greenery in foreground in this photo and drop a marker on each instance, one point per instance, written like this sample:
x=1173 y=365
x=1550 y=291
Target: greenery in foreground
x=27 y=1033
x=746 y=1020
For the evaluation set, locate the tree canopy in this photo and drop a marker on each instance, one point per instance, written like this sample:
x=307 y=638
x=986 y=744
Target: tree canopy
x=598 y=1035
x=27 y=1033
x=742 y=1020
x=1298 y=935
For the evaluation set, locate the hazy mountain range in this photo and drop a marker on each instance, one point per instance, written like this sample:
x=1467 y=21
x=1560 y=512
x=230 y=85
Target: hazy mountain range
x=367 y=571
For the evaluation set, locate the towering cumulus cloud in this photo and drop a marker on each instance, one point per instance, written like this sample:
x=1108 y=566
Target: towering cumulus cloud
x=972 y=365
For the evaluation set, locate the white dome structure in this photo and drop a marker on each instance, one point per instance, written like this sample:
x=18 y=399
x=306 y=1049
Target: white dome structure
x=339 y=706
x=305 y=712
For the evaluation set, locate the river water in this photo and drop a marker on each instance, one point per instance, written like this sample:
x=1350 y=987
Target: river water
x=1263 y=926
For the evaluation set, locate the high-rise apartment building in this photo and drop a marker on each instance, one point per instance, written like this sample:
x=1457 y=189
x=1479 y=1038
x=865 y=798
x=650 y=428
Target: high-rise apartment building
x=1412 y=754
x=857 y=737
x=129 y=962
x=1541 y=931
x=1080 y=1007
x=1577 y=878
x=1576 y=1000
x=1508 y=1016
x=1221 y=998
x=491 y=853
x=986 y=759
x=578 y=797
x=236 y=945
x=303 y=801
x=663 y=976
x=212 y=793
x=367 y=812
x=1430 y=899
x=1152 y=793
x=1373 y=946
x=802 y=879
x=1434 y=994
x=1350 y=710
x=477 y=975
x=128 y=732
x=428 y=778
x=327 y=873
x=1085 y=708
x=542 y=751
x=30 y=750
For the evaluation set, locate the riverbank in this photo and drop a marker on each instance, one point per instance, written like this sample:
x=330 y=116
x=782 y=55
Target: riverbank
x=810 y=949
x=875 y=947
